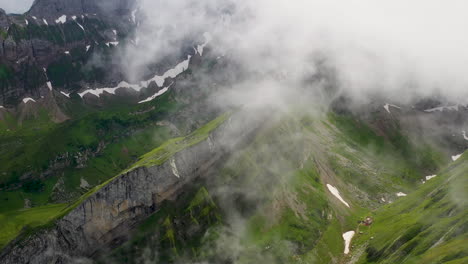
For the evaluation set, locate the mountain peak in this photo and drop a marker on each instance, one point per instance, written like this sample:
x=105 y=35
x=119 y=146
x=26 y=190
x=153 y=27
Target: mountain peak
x=105 y=8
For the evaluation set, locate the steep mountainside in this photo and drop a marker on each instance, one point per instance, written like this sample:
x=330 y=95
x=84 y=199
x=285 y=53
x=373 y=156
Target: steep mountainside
x=308 y=191
x=190 y=163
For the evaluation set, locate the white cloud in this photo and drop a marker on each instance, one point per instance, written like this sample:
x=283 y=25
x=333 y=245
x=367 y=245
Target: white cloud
x=390 y=47
x=16 y=6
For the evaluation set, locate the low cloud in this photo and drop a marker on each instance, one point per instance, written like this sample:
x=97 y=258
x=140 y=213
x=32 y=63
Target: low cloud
x=375 y=48
x=16 y=6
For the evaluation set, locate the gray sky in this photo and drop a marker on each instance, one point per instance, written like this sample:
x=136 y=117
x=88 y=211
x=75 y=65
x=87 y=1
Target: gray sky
x=15 y=6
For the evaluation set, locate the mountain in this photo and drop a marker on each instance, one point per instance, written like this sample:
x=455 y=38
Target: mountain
x=186 y=166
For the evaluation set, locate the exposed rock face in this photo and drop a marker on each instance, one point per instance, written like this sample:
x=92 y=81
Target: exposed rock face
x=108 y=8
x=54 y=41
x=104 y=218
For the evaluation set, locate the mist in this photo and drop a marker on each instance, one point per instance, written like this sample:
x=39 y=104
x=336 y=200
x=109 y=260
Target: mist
x=290 y=53
x=16 y=6
x=375 y=48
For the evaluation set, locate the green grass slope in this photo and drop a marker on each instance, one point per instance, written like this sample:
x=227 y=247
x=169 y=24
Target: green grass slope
x=428 y=226
x=11 y=224
x=13 y=221
x=272 y=199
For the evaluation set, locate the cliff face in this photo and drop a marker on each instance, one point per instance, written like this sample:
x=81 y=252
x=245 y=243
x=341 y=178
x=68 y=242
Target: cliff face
x=51 y=8
x=103 y=220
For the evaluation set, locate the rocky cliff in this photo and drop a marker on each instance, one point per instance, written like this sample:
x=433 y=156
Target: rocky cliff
x=54 y=46
x=104 y=218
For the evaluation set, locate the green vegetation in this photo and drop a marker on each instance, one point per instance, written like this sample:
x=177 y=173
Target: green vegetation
x=168 y=149
x=52 y=212
x=427 y=226
x=277 y=184
x=122 y=134
x=291 y=218
x=167 y=230
x=11 y=224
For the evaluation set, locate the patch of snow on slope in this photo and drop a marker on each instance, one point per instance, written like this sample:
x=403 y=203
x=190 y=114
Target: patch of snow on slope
x=156 y=95
x=74 y=17
x=113 y=43
x=454 y=158
x=401 y=194
x=34 y=17
x=99 y=91
x=387 y=107
x=80 y=26
x=87 y=48
x=201 y=47
x=66 y=94
x=175 y=171
x=1 y=107
x=464 y=135
x=28 y=99
x=45 y=21
x=347 y=238
x=336 y=193
x=49 y=84
x=27 y=23
x=67 y=52
x=61 y=19
x=172 y=73
x=430 y=177
x=442 y=108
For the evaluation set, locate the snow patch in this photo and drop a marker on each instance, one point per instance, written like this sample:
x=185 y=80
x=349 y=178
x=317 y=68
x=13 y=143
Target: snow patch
x=28 y=99
x=347 y=238
x=336 y=193
x=27 y=23
x=49 y=85
x=154 y=96
x=172 y=73
x=87 y=48
x=61 y=19
x=99 y=91
x=1 y=107
x=454 y=158
x=115 y=32
x=66 y=94
x=34 y=17
x=464 y=135
x=82 y=28
x=175 y=171
x=387 y=107
x=401 y=194
x=67 y=52
x=442 y=108
x=74 y=17
x=113 y=43
x=200 y=48
x=45 y=21
x=430 y=177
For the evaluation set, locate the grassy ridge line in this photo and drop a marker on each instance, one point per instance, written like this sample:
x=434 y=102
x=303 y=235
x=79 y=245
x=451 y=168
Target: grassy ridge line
x=156 y=157
x=160 y=155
